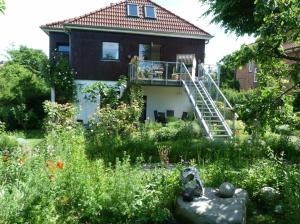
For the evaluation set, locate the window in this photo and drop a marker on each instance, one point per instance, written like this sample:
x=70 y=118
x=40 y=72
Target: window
x=110 y=51
x=250 y=66
x=150 y=12
x=63 y=48
x=133 y=10
x=144 y=51
x=254 y=75
x=149 y=52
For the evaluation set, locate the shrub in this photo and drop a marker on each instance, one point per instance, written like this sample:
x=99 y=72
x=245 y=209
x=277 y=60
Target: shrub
x=178 y=130
x=2 y=127
x=110 y=126
x=60 y=117
x=21 y=98
x=60 y=76
x=7 y=144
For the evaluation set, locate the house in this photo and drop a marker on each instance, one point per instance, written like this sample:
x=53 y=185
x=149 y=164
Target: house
x=247 y=74
x=101 y=45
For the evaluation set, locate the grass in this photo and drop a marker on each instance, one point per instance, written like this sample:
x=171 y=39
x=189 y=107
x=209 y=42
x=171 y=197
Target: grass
x=32 y=137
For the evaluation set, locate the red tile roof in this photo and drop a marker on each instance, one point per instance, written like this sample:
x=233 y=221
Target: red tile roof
x=115 y=17
x=288 y=46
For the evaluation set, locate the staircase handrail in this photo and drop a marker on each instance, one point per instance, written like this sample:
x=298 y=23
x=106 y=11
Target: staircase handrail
x=191 y=78
x=218 y=89
x=195 y=104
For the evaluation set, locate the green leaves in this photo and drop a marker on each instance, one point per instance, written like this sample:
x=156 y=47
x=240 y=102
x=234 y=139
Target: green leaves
x=21 y=96
x=59 y=75
x=2 y=6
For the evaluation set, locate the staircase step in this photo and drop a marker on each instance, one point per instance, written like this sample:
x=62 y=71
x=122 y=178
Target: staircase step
x=221 y=136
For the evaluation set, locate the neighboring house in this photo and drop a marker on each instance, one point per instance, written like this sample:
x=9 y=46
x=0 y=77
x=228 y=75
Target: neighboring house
x=102 y=44
x=247 y=74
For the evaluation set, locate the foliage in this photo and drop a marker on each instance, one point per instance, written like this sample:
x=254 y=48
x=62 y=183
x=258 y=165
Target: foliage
x=178 y=130
x=296 y=102
x=273 y=23
x=107 y=94
x=234 y=15
x=119 y=118
x=2 y=127
x=59 y=75
x=7 y=144
x=227 y=77
x=2 y=6
x=21 y=98
x=58 y=184
x=116 y=124
x=60 y=117
x=31 y=59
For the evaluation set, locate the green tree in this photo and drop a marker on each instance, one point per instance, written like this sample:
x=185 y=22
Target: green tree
x=32 y=59
x=273 y=23
x=2 y=6
x=21 y=97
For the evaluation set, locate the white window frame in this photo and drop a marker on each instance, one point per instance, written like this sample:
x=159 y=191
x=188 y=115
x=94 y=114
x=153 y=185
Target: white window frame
x=107 y=59
x=128 y=10
x=254 y=75
x=250 y=66
x=145 y=11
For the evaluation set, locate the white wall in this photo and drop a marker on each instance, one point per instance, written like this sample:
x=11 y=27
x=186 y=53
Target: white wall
x=160 y=98
x=163 y=98
x=85 y=107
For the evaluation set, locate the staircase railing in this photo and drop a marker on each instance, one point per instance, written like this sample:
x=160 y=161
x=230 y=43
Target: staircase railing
x=194 y=93
x=205 y=77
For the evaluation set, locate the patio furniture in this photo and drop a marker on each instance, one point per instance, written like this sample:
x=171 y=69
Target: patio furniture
x=155 y=115
x=184 y=116
x=162 y=117
x=170 y=113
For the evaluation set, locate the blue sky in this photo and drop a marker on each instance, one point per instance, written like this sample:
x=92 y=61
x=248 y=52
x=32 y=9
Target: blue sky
x=22 y=18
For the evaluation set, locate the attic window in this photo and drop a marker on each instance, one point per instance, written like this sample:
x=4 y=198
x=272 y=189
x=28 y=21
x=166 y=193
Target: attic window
x=133 y=10
x=150 y=12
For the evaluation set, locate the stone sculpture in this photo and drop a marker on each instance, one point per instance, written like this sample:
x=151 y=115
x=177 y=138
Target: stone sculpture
x=192 y=184
x=226 y=190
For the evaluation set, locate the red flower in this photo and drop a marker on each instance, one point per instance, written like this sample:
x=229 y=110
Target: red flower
x=60 y=165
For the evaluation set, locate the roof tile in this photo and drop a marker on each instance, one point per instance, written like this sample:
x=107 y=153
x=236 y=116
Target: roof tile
x=115 y=16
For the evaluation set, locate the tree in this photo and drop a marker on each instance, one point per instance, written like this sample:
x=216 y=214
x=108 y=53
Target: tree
x=32 y=59
x=273 y=23
x=2 y=6
x=21 y=97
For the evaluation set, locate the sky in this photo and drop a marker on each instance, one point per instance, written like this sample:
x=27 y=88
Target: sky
x=22 y=18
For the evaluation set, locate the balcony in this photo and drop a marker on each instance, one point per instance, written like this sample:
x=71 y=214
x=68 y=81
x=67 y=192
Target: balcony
x=157 y=73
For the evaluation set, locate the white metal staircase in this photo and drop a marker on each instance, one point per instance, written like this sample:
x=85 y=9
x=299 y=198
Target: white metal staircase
x=209 y=103
x=212 y=109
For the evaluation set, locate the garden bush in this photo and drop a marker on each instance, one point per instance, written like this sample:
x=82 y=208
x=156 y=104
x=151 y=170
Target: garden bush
x=21 y=98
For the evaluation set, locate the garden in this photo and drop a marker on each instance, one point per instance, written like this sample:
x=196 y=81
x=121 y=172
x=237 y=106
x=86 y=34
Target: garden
x=124 y=171
x=53 y=169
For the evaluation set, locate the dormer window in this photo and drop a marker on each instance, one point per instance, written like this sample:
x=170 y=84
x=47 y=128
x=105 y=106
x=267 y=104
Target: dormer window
x=150 y=12
x=133 y=10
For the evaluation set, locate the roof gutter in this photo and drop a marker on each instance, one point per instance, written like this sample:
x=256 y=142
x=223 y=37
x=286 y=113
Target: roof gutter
x=136 y=31
x=47 y=30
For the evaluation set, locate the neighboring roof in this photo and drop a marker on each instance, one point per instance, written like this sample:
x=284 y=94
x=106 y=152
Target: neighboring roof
x=290 y=46
x=114 y=18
